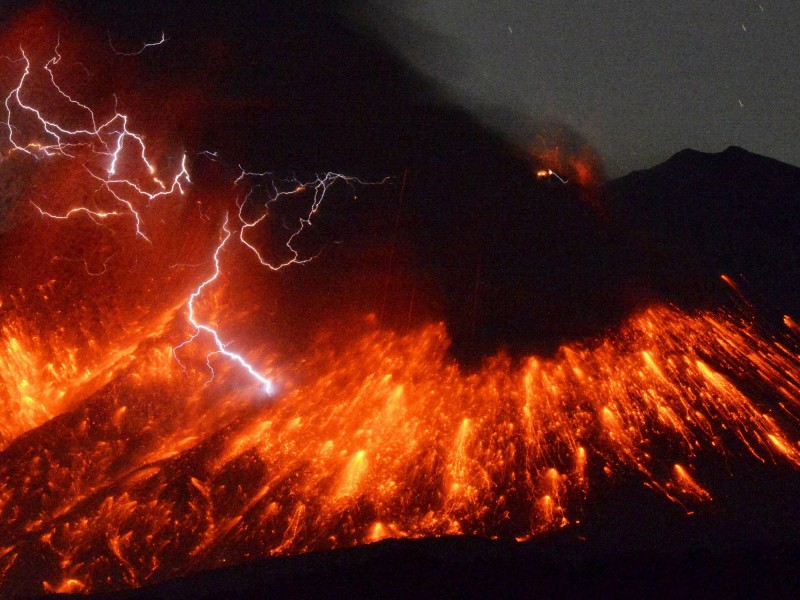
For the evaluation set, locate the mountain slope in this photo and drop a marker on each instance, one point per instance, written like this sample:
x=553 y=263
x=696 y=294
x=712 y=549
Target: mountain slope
x=697 y=216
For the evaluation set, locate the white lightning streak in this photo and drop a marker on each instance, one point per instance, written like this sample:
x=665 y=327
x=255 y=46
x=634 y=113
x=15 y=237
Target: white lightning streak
x=319 y=186
x=266 y=384
x=108 y=139
x=144 y=47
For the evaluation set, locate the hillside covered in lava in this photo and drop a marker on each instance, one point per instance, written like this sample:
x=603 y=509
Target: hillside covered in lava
x=270 y=304
x=695 y=385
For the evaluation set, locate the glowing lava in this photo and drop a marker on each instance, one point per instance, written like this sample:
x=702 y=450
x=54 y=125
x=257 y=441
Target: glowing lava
x=558 y=158
x=158 y=474
x=133 y=468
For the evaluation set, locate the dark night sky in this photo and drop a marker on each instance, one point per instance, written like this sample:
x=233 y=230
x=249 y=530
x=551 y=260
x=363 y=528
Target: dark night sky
x=288 y=86
x=638 y=80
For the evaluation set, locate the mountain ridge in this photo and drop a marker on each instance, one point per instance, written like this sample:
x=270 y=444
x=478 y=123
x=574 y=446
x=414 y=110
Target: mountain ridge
x=697 y=216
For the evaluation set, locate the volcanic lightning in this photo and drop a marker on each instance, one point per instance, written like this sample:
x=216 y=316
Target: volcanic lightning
x=266 y=384
x=144 y=47
x=108 y=139
x=64 y=138
x=151 y=473
x=319 y=186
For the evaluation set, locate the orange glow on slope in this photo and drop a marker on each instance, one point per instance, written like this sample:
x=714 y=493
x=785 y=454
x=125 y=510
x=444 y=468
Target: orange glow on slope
x=558 y=156
x=41 y=378
x=120 y=466
x=383 y=436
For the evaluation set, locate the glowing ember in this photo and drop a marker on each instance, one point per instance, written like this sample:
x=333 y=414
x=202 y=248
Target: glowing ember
x=563 y=161
x=159 y=475
x=136 y=467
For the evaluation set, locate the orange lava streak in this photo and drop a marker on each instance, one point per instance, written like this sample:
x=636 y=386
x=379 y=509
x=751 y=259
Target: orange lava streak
x=385 y=437
x=131 y=469
x=42 y=375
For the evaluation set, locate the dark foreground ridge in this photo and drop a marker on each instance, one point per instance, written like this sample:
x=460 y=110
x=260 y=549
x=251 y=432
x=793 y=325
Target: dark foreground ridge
x=630 y=543
x=477 y=568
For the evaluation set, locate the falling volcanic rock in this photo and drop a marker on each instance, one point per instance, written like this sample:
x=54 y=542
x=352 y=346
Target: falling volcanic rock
x=130 y=468
x=157 y=475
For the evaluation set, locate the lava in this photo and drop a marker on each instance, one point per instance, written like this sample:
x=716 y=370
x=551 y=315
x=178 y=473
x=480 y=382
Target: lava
x=124 y=461
x=566 y=162
x=158 y=474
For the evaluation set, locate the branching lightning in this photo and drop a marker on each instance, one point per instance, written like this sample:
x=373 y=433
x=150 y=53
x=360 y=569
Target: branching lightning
x=319 y=187
x=266 y=384
x=110 y=140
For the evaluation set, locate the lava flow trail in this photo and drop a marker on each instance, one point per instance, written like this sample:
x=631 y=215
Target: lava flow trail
x=148 y=432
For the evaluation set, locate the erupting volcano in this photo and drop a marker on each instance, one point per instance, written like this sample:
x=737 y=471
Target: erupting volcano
x=189 y=377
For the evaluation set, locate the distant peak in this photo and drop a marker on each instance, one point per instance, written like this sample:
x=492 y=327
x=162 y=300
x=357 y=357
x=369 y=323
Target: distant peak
x=733 y=157
x=736 y=151
x=733 y=160
x=690 y=153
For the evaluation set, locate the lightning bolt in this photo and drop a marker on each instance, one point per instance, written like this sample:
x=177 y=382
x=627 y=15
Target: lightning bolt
x=144 y=47
x=221 y=348
x=319 y=188
x=109 y=140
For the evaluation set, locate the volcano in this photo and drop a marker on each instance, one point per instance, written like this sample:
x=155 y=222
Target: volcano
x=407 y=358
x=677 y=462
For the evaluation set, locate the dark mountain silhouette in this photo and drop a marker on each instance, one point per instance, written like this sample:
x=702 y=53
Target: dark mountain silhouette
x=698 y=216
x=466 y=233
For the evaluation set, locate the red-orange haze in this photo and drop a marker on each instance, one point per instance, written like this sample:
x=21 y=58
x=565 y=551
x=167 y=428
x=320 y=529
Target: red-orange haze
x=570 y=161
x=120 y=466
